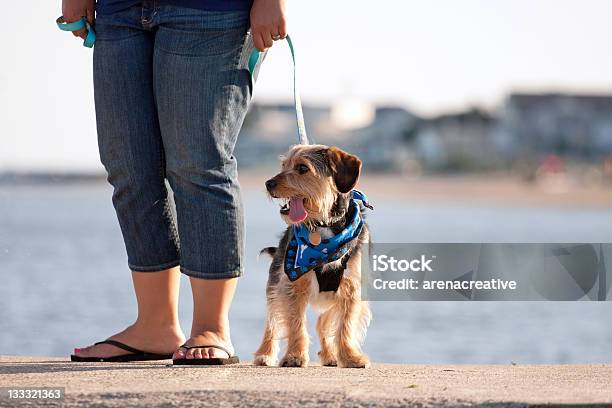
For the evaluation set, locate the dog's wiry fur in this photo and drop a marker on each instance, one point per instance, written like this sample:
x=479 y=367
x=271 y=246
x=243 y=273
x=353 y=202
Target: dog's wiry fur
x=342 y=324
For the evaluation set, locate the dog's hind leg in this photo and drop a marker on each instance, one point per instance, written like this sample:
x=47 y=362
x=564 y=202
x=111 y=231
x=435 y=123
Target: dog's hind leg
x=325 y=332
x=349 y=353
x=268 y=350
x=352 y=317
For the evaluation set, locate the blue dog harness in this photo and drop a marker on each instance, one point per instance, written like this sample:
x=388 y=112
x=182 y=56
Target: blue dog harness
x=302 y=256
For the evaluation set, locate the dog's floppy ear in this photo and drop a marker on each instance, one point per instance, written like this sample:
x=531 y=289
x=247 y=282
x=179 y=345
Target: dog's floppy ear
x=345 y=168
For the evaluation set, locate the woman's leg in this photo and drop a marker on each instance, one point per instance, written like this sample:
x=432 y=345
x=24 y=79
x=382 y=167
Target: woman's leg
x=157 y=328
x=132 y=152
x=203 y=88
x=211 y=304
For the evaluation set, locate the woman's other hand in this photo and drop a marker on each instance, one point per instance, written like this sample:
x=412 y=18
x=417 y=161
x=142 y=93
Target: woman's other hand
x=268 y=22
x=73 y=10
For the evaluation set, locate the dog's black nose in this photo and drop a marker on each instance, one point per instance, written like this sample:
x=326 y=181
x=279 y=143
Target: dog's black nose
x=271 y=184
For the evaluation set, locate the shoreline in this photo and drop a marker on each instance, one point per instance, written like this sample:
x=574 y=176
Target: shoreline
x=469 y=189
x=462 y=189
x=160 y=384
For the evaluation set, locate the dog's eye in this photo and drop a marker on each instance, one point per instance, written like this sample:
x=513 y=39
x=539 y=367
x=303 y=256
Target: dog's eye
x=302 y=168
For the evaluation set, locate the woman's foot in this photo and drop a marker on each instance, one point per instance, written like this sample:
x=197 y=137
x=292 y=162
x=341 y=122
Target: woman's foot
x=215 y=338
x=210 y=326
x=151 y=338
x=157 y=329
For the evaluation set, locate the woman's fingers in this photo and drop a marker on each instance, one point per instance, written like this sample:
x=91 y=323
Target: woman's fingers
x=91 y=16
x=282 y=30
x=264 y=38
x=268 y=22
x=267 y=38
x=76 y=17
x=80 y=33
x=258 y=41
x=74 y=10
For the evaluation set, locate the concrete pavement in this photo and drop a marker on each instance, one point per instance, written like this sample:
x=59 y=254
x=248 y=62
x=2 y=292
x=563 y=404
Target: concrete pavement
x=160 y=384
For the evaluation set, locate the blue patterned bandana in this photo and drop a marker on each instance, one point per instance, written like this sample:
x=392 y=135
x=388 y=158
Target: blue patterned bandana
x=302 y=256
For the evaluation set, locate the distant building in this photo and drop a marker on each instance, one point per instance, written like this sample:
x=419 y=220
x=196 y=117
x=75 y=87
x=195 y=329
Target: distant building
x=569 y=125
x=269 y=130
x=460 y=141
x=526 y=128
x=382 y=145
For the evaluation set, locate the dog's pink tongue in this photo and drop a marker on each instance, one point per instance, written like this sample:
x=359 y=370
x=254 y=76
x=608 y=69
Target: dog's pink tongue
x=297 y=213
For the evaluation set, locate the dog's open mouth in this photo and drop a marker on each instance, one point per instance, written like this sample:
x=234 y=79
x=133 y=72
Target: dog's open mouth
x=294 y=208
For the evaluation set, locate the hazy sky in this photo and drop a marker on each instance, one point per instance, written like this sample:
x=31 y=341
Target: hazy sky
x=428 y=56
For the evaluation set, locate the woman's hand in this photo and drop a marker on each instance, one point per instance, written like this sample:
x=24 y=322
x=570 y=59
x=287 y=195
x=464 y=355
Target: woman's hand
x=73 y=10
x=268 y=22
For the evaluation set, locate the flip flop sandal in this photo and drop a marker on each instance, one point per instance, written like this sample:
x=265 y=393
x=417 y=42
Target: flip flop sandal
x=135 y=355
x=206 y=361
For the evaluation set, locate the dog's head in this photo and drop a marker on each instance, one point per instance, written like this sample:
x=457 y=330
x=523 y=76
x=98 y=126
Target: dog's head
x=312 y=179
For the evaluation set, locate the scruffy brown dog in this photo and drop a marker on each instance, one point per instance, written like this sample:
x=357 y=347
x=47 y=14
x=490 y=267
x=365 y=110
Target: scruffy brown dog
x=315 y=185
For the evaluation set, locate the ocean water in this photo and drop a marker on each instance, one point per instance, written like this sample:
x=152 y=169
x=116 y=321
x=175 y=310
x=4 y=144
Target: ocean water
x=64 y=280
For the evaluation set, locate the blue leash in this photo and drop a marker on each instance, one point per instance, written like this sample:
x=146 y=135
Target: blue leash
x=299 y=113
x=76 y=26
x=253 y=60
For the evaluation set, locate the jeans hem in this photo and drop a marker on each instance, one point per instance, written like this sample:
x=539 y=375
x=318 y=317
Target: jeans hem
x=155 y=268
x=212 y=276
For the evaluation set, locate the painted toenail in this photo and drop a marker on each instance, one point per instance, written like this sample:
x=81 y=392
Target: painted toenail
x=77 y=350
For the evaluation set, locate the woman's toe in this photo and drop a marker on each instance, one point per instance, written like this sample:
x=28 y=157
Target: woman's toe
x=197 y=353
x=190 y=354
x=179 y=354
x=82 y=351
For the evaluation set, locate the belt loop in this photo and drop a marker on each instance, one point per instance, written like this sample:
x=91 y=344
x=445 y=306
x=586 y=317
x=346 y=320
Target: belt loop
x=148 y=12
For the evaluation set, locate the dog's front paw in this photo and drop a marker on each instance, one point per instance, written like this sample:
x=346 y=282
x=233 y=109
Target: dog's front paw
x=264 y=360
x=355 y=361
x=327 y=359
x=294 y=361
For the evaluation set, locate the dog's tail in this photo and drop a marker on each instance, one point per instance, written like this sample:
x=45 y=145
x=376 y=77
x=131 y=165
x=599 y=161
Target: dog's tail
x=269 y=251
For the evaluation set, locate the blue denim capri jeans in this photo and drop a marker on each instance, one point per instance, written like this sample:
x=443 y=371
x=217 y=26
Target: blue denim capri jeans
x=172 y=88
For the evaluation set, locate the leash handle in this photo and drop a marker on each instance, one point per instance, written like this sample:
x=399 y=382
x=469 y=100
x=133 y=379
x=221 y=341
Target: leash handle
x=90 y=39
x=299 y=112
